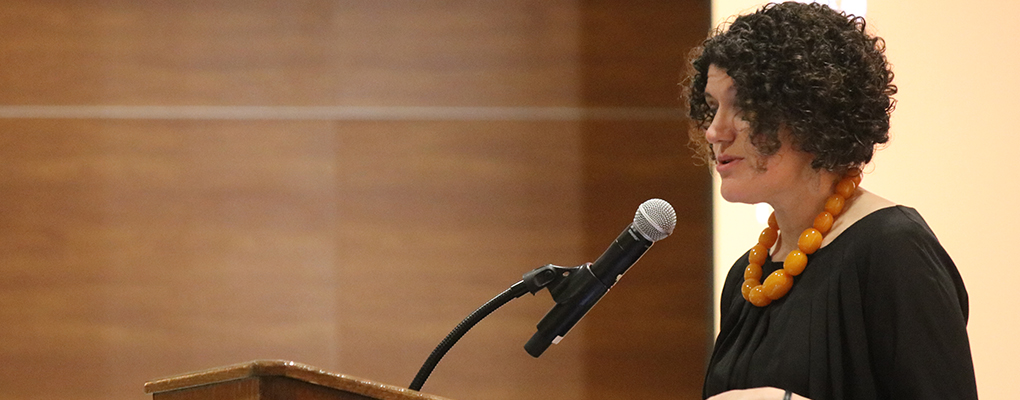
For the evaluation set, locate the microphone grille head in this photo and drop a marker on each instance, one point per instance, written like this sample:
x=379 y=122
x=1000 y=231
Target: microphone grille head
x=655 y=219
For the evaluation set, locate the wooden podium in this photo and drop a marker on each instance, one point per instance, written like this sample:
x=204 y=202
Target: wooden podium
x=274 y=380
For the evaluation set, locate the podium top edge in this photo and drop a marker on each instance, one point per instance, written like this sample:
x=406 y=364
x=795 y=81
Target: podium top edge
x=289 y=369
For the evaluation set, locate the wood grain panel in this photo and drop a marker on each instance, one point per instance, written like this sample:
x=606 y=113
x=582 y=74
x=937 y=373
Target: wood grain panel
x=452 y=215
x=133 y=249
x=129 y=253
x=633 y=52
x=354 y=247
x=649 y=336
x=307 y=52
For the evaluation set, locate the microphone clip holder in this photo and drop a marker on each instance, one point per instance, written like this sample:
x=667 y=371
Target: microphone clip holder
x=575 y=291
x=552 y=277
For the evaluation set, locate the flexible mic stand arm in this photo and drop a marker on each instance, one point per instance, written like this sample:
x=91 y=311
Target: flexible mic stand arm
x=532 y=282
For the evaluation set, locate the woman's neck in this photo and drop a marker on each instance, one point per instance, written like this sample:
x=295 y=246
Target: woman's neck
x=796 y=211
x=793 y=220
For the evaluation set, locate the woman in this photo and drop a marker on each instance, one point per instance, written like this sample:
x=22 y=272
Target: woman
x=846 y=295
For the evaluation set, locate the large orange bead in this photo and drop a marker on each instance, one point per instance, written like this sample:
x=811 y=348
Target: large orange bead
x=768 y=237
x=823 y=222
x=758 y=297
x=777 y=284
x=753 y=271
x=758 y=255
x=834 y=204
x=857 y=180
x=749 y=284
x=795 y=262
x=772 y=221
x=810 y=241
x=846 y=187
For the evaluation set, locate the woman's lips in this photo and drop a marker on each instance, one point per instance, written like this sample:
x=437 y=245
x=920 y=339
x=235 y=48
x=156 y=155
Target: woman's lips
x=725 y=162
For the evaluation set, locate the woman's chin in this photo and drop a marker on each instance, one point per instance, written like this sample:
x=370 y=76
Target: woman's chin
x=733 y=195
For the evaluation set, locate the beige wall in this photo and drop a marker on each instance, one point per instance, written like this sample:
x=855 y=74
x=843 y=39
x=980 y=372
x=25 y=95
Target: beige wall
x=951 y=156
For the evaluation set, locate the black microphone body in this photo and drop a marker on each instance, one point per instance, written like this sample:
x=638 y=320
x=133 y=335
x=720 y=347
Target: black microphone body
x=577 y=294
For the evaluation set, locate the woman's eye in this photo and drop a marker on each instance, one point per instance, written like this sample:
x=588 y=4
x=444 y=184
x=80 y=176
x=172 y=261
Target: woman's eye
x=709 y=117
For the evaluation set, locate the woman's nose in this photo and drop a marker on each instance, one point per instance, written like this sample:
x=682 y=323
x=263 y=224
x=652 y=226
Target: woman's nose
x=720 y=130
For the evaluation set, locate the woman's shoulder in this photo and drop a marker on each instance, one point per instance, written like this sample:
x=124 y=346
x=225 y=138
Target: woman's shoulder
x=896 y=241
x=891 y=225
x=876 y=218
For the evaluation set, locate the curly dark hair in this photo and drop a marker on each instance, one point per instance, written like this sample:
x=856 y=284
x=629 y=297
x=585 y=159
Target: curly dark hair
x=805 y=67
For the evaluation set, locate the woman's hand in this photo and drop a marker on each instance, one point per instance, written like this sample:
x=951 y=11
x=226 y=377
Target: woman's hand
x=762 y=393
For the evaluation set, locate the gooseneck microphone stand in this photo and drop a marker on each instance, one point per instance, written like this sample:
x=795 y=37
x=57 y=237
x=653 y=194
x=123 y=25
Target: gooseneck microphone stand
x=532 y=282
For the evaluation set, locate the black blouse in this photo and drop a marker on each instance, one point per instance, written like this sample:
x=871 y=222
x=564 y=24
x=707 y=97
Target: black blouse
x=879 y=313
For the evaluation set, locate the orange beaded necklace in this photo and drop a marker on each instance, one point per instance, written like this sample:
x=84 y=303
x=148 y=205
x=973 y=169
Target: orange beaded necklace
x=780 y=281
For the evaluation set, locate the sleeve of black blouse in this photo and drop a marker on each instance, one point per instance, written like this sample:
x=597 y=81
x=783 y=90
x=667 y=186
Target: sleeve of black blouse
x=915 y=306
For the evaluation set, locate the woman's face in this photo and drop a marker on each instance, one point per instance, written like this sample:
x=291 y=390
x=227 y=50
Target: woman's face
x=748 y=176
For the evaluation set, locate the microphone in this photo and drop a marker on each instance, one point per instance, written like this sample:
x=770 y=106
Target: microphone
x=585 y=285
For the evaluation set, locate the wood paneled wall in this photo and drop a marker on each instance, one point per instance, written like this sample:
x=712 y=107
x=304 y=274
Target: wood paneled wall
x=197 y=232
